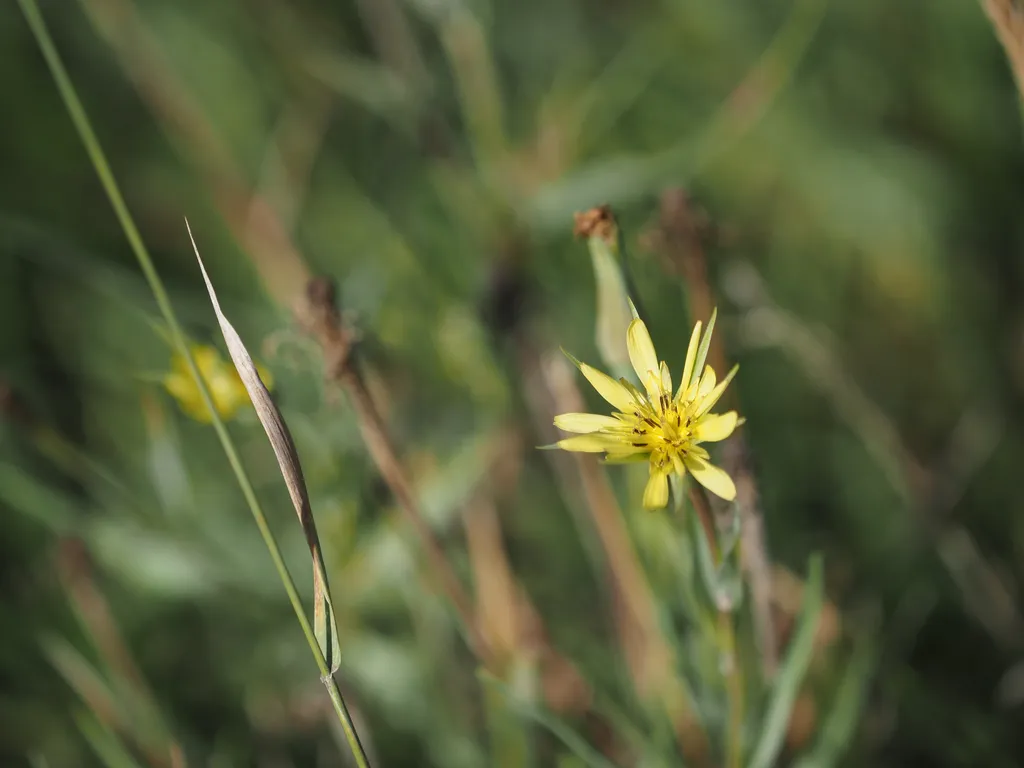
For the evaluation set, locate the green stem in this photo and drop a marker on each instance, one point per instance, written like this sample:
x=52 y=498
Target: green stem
x=99 y=161
x=734 y=688
x=725 y=635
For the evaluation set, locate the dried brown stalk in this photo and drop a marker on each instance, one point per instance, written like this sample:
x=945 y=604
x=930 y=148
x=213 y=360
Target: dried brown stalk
x=507 y=616
x=1007 y=19
x=74 y=566
x=258 y=227
x=251 y=219
x=551 y=390
x=680 y=238
x=318 y=315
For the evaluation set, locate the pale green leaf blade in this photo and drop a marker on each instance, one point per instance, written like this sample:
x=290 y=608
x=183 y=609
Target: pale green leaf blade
x=792 y=671
x=572 y=740
x=840 y=723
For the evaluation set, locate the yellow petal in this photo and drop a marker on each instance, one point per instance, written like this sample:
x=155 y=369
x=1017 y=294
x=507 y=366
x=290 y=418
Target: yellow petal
x=713 y=396
x=584 y=423
x=715 y=427
x=705 y=343
x=677 y=464
x=707 y=382
x=656 y=492
x=625 y=458
x=699 y=451
x=666 y=378
x=590 y=443
x=691 y=358
x=609 y=388
x=711 y=477
x=642 y=355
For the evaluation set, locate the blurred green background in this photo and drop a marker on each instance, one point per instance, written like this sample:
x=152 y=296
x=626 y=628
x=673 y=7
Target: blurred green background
x=854 y=180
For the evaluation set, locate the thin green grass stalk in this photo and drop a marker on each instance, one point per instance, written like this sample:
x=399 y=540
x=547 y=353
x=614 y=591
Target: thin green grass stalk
x=96 y=155
x=733 y=687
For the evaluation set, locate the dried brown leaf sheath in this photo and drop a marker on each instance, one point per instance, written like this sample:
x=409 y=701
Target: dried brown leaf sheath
x=324 y=624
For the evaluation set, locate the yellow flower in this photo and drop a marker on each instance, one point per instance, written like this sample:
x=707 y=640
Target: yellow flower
x=654 y=425
x=221 y=378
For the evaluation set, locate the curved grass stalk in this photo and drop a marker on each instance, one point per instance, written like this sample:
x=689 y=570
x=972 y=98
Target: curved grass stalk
x=78 y=116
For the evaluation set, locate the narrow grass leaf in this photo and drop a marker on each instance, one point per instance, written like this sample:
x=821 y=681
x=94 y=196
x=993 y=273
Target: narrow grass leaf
x=509 y=734
x=791 y=674
x=85 y=680
x=842 y=719
x=107 y=746
x=76 y=111
x=20 y=491
x=324 y=624
x=572 y=740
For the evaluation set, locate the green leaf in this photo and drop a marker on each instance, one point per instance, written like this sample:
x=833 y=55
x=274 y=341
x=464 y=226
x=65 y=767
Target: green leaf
x=82 y=677
x=572 y=740
x=105 y=743
x=614 y=310
x=839 y=725
x=791 y=674
x=705 y=558
x=23 y=493
x=509 y=736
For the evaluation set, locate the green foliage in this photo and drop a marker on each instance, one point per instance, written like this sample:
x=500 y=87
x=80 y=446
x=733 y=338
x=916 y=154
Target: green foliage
x=858 y=167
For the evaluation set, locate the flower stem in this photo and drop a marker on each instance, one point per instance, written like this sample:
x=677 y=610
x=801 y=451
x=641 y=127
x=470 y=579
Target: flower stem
x=726 y=640
x=734 y=688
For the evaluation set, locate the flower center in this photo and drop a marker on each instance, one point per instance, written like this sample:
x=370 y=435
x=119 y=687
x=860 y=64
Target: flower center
x=668 y=431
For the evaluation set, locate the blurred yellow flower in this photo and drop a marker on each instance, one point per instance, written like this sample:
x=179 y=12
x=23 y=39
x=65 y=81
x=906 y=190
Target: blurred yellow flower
x=653 y=425
x=221 y=378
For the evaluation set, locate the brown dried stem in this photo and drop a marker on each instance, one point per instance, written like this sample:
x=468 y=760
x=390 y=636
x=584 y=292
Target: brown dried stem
x=680 y=238
x=253 y=222
x=319 y=317
x=258 y=228
x=74 y=567
x=1007 y=19
x=552 y=390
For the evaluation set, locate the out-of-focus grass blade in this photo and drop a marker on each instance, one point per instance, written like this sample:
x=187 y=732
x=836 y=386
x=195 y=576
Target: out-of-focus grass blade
x=370 y=85
x=704 y=557
x=841 y=721
x=791 y=674
x=613 y=313
x=509 y=735
x=324 y=625
x=121 y=708
x=85 y=680
x=22 y=492
x=572 y=740
x=105 y=744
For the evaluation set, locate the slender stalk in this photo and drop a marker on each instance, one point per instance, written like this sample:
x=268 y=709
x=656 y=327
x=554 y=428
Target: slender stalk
x=465 y=45
x=320 y=318
x=734 y=688
x=726 y=639
x=96 y=155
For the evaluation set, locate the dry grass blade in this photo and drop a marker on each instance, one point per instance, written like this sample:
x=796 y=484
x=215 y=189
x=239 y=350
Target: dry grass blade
x=1007 y=19
x=281 y=441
